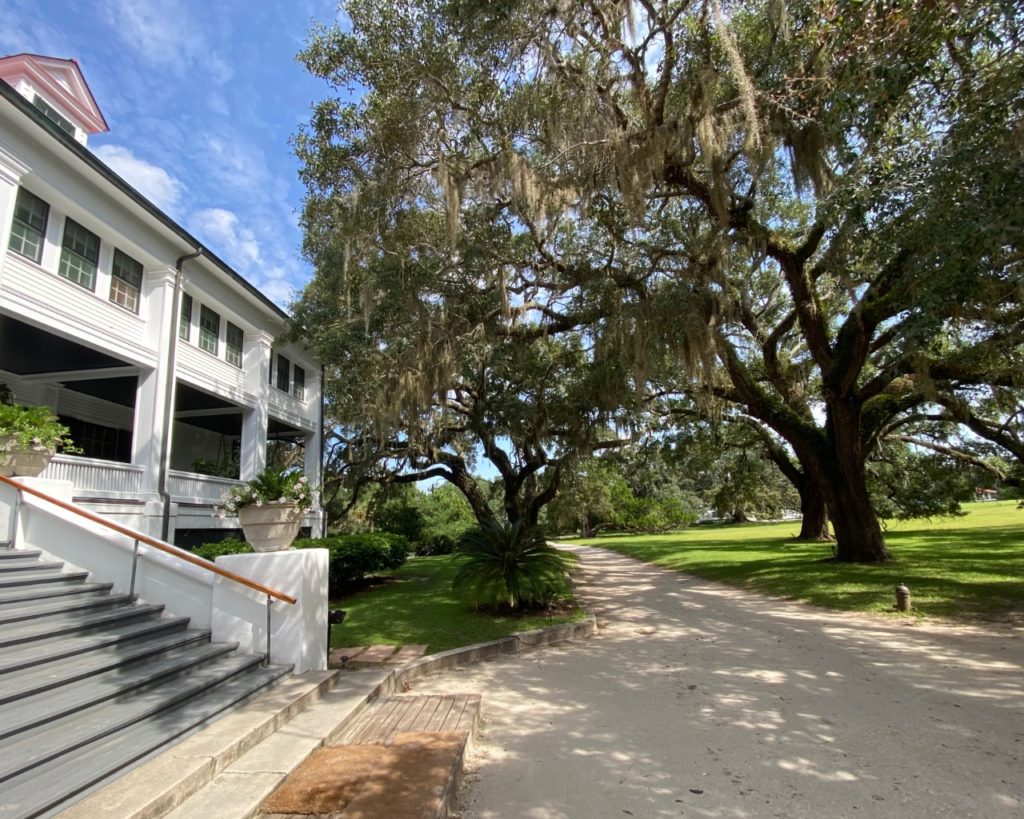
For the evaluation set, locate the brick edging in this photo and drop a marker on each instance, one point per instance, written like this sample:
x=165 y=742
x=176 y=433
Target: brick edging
x=458 y=657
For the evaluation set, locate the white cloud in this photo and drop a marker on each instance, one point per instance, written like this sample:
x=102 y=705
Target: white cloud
x=152 y=181
x=278 y=291
x=164 y=33
x=226 y=236
x=236 y=162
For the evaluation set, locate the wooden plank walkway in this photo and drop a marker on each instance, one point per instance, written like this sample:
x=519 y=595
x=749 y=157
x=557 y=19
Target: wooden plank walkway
x=412 y=713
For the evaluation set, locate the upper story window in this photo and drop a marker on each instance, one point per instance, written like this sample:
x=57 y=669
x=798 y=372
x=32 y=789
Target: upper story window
x=299 y=382
x=125 y=281
x=185 y=319
x=55 y=116
x=79 y=254
x=209 y=329
x=283 y=372
x=30 y=214
x=233 y=338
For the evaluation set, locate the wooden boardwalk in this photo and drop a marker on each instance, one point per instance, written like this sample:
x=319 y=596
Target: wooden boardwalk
x=412 y=713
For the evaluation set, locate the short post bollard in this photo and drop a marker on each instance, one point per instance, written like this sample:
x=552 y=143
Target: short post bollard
x=902 y=598
x=335 y=617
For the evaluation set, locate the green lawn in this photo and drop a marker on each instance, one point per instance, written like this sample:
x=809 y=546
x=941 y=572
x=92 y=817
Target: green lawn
x=966 y=567
x=419 y=608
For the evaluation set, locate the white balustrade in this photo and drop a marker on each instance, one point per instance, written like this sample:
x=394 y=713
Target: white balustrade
x=94 y=477
x=190 y=487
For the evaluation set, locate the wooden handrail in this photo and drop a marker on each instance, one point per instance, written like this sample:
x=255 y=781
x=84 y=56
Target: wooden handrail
x=166 y=548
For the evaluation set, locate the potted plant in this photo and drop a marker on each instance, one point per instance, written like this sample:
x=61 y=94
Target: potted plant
x=29 y=436
x=270 y=508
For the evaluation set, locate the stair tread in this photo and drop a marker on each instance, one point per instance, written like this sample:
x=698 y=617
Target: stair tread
x=27 y=578
x=74 y=668
x=41 y=609
x=51 y=704
x=53 y=783
x=27 y=593
x=24 y=564
x=7 y=553
x=73 y=645
x=51 y=630
x=21 y=753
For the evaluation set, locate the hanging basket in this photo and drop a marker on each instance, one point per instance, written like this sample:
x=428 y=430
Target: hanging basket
x=271 y=527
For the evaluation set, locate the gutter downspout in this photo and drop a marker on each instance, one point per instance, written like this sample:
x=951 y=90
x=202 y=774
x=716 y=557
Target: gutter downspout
x=169 y=381
x=323 y=456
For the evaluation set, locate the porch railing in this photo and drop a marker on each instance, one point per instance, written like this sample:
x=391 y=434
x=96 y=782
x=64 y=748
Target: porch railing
x=194 y=488
x=140 y=538
x=105 y=478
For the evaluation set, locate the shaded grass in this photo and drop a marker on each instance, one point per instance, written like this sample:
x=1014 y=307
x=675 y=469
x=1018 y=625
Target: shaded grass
x=968 y=567
x=418 y=607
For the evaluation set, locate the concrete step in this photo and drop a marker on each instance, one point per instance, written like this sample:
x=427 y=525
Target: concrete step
x=61 y=606
x=59 y=627
x=72 y=669
x=111 y=639
x=29 y=593
x=21 y=753
x=45 y=706
x=6 y=553
x=41 y=577
x=168 y=779
x=56 y=782
x=28 y=564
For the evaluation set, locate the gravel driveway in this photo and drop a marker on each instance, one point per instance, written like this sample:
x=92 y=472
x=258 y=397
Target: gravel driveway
x=700 y=700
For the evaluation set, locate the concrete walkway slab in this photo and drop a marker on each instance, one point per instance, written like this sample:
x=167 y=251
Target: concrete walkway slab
x=698 y=699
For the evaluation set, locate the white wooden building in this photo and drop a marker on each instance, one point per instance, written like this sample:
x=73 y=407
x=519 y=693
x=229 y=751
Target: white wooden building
x=163 y=360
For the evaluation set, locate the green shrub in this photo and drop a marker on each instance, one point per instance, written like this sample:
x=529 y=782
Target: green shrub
x=231 y=546
x=437 y=545
x=510 y=566
x=353 y=557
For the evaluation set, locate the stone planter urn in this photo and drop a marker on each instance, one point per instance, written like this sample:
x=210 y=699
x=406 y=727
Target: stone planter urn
x=271 y=527
x=23 y=463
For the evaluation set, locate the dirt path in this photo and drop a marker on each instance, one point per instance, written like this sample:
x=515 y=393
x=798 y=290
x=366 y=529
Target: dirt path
x=701 y=700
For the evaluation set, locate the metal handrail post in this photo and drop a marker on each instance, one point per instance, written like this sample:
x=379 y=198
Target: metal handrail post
x=270 y=602
x=135 y=563
x=14 y=520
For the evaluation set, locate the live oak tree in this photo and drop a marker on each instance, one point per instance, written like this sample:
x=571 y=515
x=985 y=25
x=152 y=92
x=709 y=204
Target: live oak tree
x=433 y=368
x=814 y=206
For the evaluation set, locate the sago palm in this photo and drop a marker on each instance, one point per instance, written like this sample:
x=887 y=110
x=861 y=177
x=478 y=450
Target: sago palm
x=510 y=565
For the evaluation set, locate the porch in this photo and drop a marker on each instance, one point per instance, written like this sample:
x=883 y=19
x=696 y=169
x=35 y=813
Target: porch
x=157 y=456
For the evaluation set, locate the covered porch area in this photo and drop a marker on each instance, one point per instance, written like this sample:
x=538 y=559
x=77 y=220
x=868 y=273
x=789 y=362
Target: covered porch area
x=115 y=408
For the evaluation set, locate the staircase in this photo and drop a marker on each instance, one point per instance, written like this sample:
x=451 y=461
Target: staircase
x=92 y=683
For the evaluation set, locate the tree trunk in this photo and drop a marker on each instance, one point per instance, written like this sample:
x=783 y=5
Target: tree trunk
x=466 y=484
x=858 y=534
x=813 y=511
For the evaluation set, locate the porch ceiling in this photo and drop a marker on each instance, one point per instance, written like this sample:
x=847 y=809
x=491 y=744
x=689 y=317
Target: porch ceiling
x=29 y=350
x=201 y=409
x=279 y=430
x=119 y=390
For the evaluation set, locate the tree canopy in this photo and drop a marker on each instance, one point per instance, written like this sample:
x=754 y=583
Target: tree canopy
x=807 y=209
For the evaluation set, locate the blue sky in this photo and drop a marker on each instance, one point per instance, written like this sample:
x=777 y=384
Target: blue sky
x=201 y=98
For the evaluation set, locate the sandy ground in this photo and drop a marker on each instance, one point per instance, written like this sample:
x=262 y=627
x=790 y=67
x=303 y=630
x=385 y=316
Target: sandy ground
x=700 y=700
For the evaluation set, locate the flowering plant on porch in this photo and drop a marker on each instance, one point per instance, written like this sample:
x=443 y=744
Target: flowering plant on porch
x=33 y=428
x=28 y=438
x=270 y=507
x=271 y=486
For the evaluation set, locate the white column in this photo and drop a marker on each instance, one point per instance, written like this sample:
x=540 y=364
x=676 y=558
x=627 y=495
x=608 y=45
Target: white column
x=256 y=350
x=11 y=172
x=152 y=397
